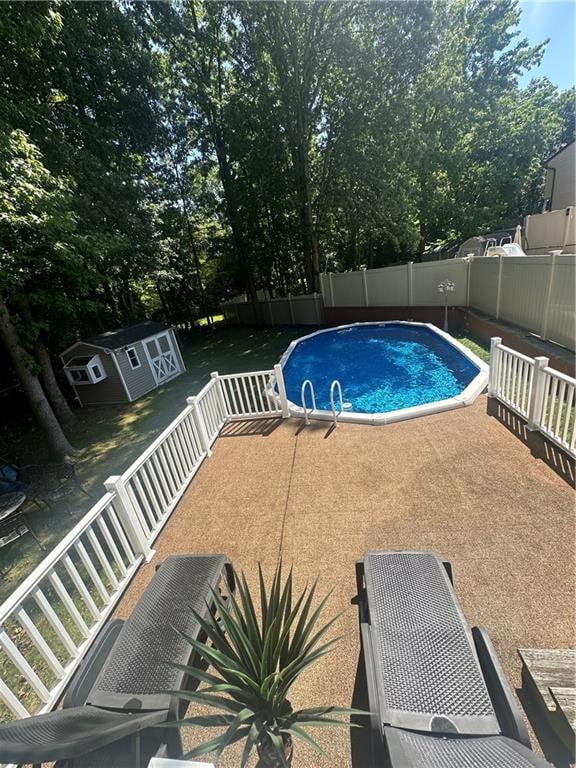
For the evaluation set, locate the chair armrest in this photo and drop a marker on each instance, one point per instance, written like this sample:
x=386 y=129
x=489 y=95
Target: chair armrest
x=503 y=701
x=85 y=676
x=68 y=733
x=367 y=654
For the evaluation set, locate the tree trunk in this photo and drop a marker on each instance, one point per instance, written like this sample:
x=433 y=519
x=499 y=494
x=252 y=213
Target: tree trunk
x=55 y=437
x=111 y=301
x=61 y=408
x=308 y=230
x=63 y=412
x=234 y=216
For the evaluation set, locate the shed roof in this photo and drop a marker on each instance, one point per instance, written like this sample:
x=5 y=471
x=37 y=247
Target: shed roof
x=125 y=336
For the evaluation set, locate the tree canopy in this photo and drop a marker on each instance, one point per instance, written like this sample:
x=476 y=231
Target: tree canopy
x=158 y=158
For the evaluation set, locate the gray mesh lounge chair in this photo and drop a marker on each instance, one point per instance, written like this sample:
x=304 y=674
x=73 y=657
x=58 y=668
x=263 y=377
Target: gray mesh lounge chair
x=435 y=687
x=411 y=749
x=120 y=689
x=68 y=733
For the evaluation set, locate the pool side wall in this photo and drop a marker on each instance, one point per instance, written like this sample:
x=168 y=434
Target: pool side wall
x=466 y=397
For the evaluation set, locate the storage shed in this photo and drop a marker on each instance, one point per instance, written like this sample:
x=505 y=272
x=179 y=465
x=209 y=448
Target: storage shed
x=121 y=366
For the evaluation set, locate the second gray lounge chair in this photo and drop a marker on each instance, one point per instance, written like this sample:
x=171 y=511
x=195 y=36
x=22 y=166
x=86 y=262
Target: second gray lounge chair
x=436 y=691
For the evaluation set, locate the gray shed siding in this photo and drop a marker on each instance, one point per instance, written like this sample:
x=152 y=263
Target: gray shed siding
x=138 y=380
x=109 y=391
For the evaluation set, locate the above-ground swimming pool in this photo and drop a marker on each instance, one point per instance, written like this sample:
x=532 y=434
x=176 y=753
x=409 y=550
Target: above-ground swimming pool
x=387 y=371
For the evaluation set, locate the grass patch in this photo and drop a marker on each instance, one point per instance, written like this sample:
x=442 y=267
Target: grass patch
x=110 y=438
x=479 y=350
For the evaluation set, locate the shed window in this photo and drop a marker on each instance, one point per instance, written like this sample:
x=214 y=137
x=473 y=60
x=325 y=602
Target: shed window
x=85 y=370
x=133 y=357
x=79 y=376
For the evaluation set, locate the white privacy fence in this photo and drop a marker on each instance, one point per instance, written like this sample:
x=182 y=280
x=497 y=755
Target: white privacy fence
x=405 y=285
x=292 y=310
x=49 y=622
x=543 y=396
x=534 y=292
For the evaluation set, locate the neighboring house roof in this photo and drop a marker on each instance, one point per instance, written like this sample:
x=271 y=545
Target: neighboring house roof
x=122 y=337
x=126 y=336
x=558 y=152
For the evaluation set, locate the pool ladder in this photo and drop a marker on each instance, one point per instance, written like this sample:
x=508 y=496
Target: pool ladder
x=336 y=385
x=307 y=385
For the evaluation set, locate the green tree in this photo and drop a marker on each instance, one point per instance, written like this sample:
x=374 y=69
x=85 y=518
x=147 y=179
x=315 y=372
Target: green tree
x=36 y=249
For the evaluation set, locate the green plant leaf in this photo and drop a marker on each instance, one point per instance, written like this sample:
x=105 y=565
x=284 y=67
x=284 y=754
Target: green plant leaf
x=300 y=733
x=213 y=744
x=228 y=737
x=251 y=741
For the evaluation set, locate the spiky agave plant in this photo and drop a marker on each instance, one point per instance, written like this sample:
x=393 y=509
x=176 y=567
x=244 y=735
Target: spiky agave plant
x=256 y=660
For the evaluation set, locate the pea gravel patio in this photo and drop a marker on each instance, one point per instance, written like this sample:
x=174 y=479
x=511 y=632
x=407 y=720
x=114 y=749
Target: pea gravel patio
x=457 y=483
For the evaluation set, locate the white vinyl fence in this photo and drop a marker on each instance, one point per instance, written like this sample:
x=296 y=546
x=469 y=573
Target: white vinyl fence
x=543 y=396
x=292 y=310
x=48 y=623
x=50 y=620
x=534 y=292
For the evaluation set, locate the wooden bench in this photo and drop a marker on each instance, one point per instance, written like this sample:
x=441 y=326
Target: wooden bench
x=549 y=677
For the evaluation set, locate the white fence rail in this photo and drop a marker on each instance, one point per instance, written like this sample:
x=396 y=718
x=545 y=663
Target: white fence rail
x=534 y=292
x=557 y=416
x=49 y=622
x=545 y=397
x=247 y=395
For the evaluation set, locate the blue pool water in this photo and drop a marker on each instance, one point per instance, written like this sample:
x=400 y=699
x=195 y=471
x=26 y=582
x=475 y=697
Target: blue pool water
x=381 y=367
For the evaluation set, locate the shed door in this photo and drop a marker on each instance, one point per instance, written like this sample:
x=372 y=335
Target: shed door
x=162 y=358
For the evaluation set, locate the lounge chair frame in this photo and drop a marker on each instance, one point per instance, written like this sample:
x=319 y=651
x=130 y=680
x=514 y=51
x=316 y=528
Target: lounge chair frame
x=386 y=739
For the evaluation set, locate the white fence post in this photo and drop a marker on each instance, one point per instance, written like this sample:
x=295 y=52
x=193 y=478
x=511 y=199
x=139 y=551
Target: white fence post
x=128 y=516
x=318 y=307
x=499 y=287
x=281 y=390
x=495 y=341
x=215 y=375
x=331 y=287
x=468 y=279
x=270 y=315
x=410 y=280
x=291 y=309
x=536 y=405
x=365 y=287
x=548 y=299
x=200 y=426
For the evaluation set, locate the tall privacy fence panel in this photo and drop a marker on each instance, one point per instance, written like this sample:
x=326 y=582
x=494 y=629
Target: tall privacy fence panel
x=543 y=396
x=536 y=293
x=51 y=619
x=291 y=310
x=405 y=285
x=533 y=292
